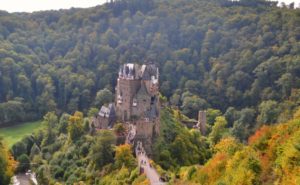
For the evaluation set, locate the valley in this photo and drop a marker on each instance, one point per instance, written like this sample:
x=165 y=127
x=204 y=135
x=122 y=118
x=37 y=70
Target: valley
x=15 y=133
x=143 y=92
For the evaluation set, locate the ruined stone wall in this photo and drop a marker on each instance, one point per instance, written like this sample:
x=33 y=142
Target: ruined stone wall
x=202 y=121
x=146 y=132
x=147 y=129
x=144 y=129
x=100 y=122
x=157 y=126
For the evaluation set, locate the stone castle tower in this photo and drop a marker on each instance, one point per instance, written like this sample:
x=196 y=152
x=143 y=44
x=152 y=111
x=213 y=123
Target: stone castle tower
x=137 y=98
x=136 y=101
x=202 y=122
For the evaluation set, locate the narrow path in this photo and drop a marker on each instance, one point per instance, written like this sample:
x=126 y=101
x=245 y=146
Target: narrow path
x=144 y=163
x=27 y=178
x=143 y=160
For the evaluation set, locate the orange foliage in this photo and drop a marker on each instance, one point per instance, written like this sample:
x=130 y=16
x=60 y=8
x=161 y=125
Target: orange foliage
x=215 y=168
x=262 y=132
x=265 y=167
x=272 y=157
x=12 y=164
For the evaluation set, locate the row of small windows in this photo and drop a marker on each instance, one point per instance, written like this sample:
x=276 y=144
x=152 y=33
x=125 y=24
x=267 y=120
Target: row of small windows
x=134 y=101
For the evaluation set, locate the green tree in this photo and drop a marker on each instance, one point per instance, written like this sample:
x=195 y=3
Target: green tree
x=219 y=130
x=175 y=99
x=93 y=112
x=35 y=150
x=18 y=149
x=124 y=157
x=268 y=112
x=119 y=129
x=24 y=163
x=12 y=111
x=244 y=123
x=285 y=83
x=63 y=123
x=103 y=96
x=192 y=104
x=51 y=121
x=211 y=115
x=110 y=38
x=75 y=127
x=86 y=125
x=46 y=101
x=43 y=174
x=103 y=148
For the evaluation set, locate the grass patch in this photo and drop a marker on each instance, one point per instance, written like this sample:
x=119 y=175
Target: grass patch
x=13 y=134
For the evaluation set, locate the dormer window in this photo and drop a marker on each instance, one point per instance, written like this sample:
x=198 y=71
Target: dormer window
x=154 y=80
x=134 y=102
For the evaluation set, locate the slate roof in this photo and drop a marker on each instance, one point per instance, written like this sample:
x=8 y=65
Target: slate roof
x=147 y=71
x=135 y=71
x=142 y=92
x=107 y=111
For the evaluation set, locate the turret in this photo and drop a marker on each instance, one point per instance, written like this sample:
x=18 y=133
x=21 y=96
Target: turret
x=202 y=122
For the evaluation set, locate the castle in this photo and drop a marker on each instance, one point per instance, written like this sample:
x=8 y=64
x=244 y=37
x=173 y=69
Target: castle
x=136 y=101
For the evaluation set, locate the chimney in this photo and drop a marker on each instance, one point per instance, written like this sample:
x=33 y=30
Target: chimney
x=202 y=122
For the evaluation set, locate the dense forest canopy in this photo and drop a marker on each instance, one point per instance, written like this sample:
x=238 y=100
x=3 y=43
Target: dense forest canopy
x=238 y=60
x=239 y=57
x=181 y=155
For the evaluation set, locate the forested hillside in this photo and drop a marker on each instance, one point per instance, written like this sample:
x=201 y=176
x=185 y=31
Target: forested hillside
x=241 y=58
x=68 y=152
x=272 y=157
x=240 y=61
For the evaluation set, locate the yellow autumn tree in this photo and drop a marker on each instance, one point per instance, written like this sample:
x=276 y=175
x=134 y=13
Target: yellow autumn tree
x=7 y=164
x=124 y=157
x=228 y=145
x=75 y=127
x=243 y=168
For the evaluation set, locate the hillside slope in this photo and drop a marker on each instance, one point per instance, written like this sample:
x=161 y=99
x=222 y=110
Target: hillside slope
x=210 y=55
x=271 y=157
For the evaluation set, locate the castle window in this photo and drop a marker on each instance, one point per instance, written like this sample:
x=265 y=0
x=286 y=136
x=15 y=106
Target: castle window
x=134 y=102
x=152 y=100
x=120 y=99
